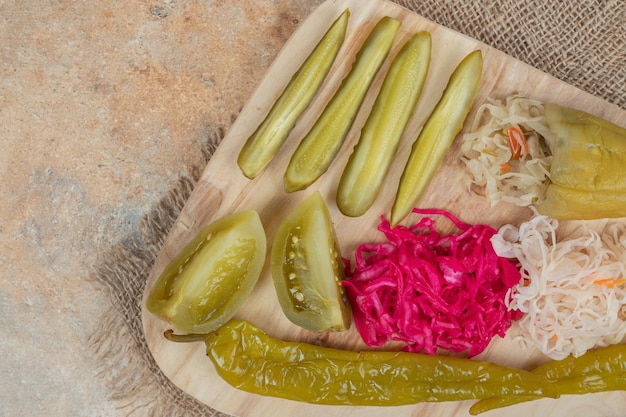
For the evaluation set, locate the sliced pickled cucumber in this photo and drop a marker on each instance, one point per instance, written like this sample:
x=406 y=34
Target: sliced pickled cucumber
x=371 y=159
x=319 y=147
x=264 y=143
x=438 y=133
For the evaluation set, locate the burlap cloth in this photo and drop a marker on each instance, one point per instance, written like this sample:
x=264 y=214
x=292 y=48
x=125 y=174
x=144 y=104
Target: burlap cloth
x=581 y=42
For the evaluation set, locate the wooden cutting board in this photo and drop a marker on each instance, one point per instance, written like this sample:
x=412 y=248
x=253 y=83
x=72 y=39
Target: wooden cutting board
x=223 y=190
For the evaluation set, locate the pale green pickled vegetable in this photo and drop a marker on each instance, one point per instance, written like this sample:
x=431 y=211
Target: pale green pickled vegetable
x=319 y=147
x=307 y=269
x=438 y=133
x=250 y=360
x=570 y=204
x=206 y=283
x=262 y=146
x=369 y=163
x=588 y=170
x=600 y=370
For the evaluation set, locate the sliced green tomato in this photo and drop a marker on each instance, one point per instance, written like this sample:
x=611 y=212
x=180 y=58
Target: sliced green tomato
x=204 y=285
x=267 y=139
x=438 y=133
x=319 y=147
x=307 y=269
x=372 y=156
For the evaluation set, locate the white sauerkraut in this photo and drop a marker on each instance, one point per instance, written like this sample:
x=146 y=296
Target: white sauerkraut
x=485 y=151
x=573 y=291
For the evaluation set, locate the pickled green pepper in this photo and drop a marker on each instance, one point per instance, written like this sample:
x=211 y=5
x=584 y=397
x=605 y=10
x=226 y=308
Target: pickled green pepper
x=250 y=360
x=321 y=144
x=438 y=133
x=269 y=136
x=371 y=159
x=600 y=370
x=207 y=282
x=588 y=169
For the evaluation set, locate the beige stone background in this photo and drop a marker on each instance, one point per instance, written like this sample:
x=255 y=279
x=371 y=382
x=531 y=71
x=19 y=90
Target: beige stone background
x=102 y=106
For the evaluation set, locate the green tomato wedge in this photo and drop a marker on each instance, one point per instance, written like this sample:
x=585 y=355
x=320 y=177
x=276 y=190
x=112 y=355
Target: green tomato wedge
x=206 y=283
x=264 y=143
x=371 y=159
x=307 y=269
x=321 y=144
x=438 y=133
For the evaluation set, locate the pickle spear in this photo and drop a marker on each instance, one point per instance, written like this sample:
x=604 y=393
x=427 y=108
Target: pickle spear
x=438 y=133
x=372 y=156
x=269 y=136
x=320 y=146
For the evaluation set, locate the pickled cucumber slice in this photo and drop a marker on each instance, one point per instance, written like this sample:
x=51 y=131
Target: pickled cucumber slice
x=371 y=159
x=438 y=133
x=264 y=143
x=319 y=147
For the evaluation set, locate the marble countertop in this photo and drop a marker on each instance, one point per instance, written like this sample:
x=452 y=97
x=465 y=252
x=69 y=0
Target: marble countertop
x=102 y=106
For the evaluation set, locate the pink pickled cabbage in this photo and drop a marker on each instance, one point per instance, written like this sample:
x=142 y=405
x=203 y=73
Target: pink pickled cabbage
x=430 y=290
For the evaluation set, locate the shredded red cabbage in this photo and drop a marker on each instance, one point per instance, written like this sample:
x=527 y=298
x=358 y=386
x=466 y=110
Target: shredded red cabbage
x=430 y=290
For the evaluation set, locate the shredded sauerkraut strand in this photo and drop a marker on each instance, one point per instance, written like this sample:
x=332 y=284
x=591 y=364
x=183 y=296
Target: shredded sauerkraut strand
x=496 y=173
x=572 y=293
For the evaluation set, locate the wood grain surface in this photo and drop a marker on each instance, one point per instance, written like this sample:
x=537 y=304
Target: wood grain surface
x=222 y=190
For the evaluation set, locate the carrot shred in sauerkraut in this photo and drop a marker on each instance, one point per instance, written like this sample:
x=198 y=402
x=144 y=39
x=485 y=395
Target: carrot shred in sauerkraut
x=573 y=291
x=432 y=290
x=512 y=134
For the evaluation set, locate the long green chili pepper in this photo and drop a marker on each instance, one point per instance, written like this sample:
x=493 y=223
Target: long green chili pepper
x=250 y=360
x=267 y=139
x=601 y=370
x=319 y=147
